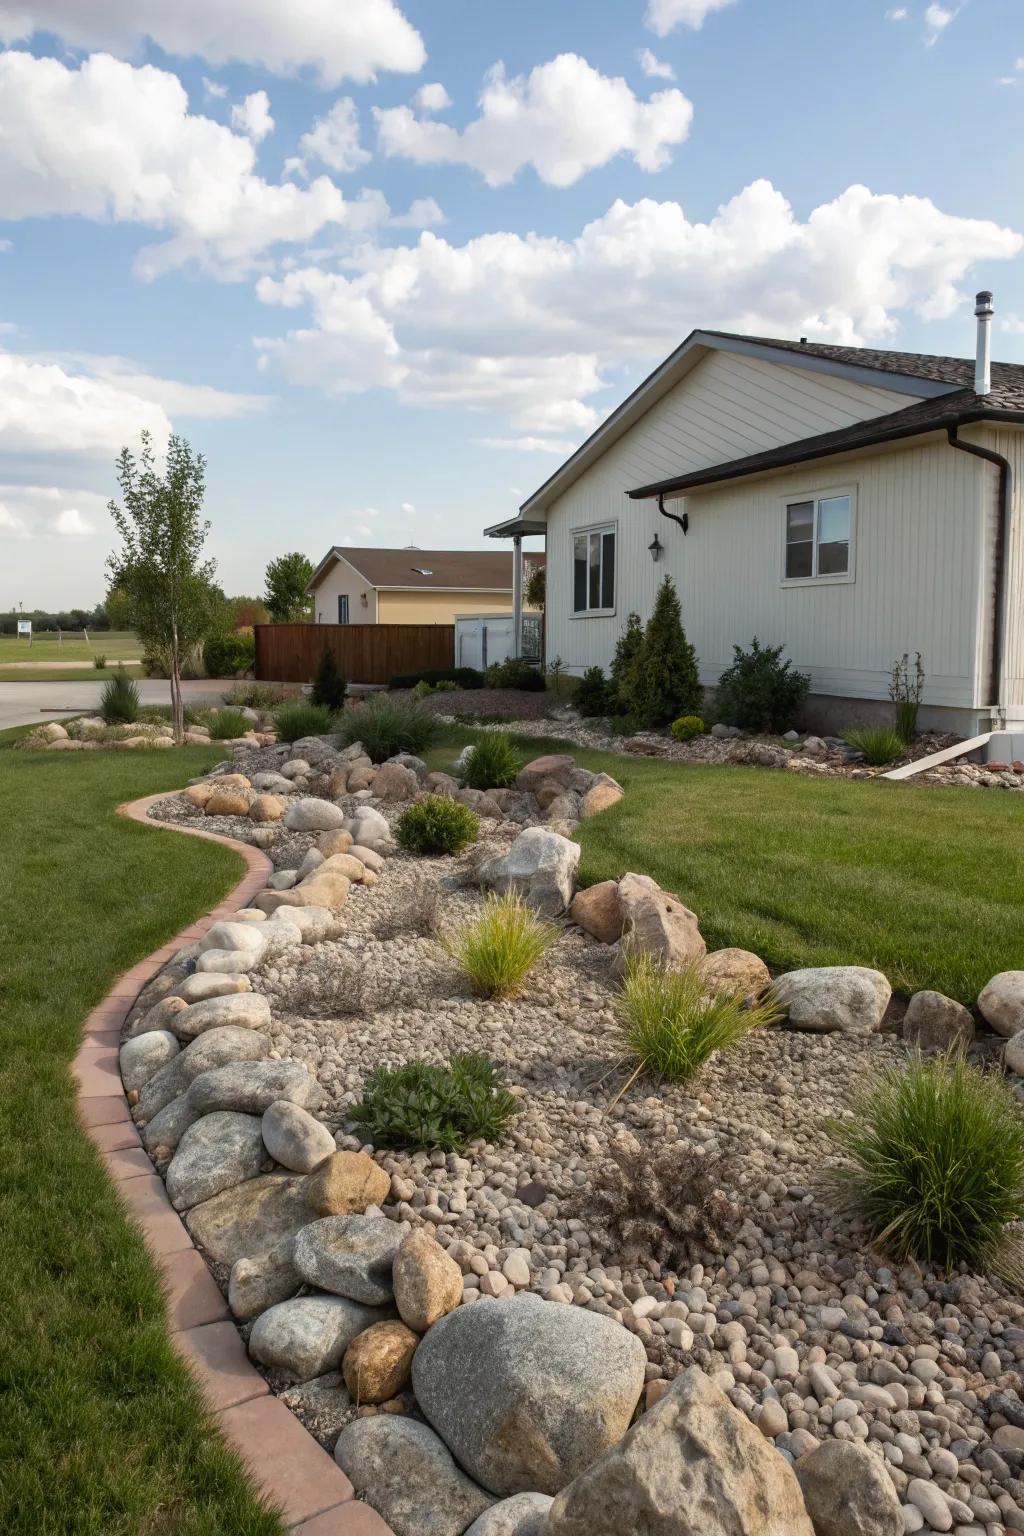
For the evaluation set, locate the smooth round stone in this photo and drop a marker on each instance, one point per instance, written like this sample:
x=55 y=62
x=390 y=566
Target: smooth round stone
x=144 y=1055
x=308 y=1335
x=350 y=1256
x=295 y=1138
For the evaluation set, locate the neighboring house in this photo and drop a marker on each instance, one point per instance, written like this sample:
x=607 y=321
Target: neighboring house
x=411 y=586
x=816 y=497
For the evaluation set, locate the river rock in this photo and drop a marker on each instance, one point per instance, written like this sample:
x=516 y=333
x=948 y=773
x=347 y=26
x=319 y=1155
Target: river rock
x=395 y=782
x=691 y=1466
x=735 y=972
x=219 y=1151
x=232 y=935
x=934 y=1022
x=347 y=1183
x=824 y=998
x=427 y=1282
x=847 y=1492
x=161 y=1016
x=161 y=1134
x=601 y=796
x=655 y=923
x=540 y=864
x=1001 y=1003
x=144 y=1055
x=308 y=1335
x=350 y=1256
x=310 y=815
x=378 y=1364
x=556 y=768
x=262 y=1281
x=244 y=1010
x=247 y=1220
x=294 y=1137
x=597 y=911
x=527 y=1394
x=267 y=808
x=524 y=1514
x=198 y=987
x=227 y=961
x=250 y=1087
x=403 y=1471
x=369 y=829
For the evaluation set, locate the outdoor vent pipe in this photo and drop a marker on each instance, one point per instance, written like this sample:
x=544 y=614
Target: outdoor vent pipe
x=1004 y=524
x=983 y=366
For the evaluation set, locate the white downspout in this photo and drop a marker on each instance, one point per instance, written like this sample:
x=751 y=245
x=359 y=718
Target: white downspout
x=517 y=594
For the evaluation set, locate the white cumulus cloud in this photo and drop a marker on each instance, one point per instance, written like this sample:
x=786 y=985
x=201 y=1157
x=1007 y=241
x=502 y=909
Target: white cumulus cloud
x=334 y=138
x=563 y=118
x=561 y=446
x=422 y=213
x=653 y=67
x=432 y=97
x=71 y=524
x=50 y=511
x=338 y=39
x=252 y=116
x=936 y=19
x=665 y=15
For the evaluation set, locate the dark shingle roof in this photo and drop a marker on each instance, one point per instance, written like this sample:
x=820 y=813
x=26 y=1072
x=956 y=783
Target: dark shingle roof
x=471 y=570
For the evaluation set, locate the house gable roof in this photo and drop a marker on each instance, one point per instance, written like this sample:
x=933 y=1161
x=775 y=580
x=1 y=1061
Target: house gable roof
x=425 y=570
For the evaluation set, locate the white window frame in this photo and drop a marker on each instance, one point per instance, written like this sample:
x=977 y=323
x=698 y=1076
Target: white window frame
x=840 y=579
x=600 y=529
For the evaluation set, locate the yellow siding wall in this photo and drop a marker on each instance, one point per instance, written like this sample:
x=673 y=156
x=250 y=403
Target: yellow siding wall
x=437 y=607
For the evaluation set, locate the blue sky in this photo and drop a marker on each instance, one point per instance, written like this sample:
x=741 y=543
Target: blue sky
x=390 y=327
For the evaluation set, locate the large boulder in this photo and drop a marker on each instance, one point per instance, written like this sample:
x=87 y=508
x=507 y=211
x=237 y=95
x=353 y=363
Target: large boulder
x=228 y=802
x=232 y=935
x=244 y=1010
x=160 y=1136
x=691 y=1466
x=198 y=987
x=250 y=1087
x=350 y=1256
x=378 y=1364
x=143 y=1056
x=346 y=1182
x=311 y=815
x=597 y=911
x=526 y=1394
x=934 y=1022
x=394 y=782
x=735 y=973
x=215 y=1153
x=294 y=1137
x=369 y=829
x=160 y=1016
x=847 y=1491
x=557 y=769
x=655 y=923
x=427 y=1281
x=266 y=808
x=822 y=999
x=211 y=1049
x=1001 y=1003
x=262 y=1281
x=404 y=1472
x=246 y=1221
x=603 y=793
x=541 y=865
x=328 y=890
x=308 y=1335
x=524 y=1514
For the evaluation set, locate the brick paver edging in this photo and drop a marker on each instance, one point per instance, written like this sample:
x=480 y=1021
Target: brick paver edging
x=293 y=1472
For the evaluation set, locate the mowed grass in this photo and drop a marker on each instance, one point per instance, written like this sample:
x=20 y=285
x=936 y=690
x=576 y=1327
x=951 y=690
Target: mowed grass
x=101 y=1431
x=46 y=650
x=923 y=884
x=47 y=674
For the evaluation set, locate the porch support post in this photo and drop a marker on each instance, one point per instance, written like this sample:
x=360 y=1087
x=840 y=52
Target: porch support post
x=517 y=594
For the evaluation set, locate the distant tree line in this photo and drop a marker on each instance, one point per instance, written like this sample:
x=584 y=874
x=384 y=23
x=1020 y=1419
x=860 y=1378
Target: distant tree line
x=72 y=618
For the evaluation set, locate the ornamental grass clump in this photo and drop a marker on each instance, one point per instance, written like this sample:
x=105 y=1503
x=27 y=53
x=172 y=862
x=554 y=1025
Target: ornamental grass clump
x=935 y=1165
x=436 y=825
x=298 y=718
x=672 y=1026
x=879 y=743
x=419 y=1105
x=499 y=949
x=492 y=764
x=224 y=724
x=119 y=701
x=389 y=723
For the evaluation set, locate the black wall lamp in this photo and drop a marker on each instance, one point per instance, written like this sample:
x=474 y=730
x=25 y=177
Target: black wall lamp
x=655 y=547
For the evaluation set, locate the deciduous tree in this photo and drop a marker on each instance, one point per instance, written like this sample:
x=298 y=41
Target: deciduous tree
x=288 y=580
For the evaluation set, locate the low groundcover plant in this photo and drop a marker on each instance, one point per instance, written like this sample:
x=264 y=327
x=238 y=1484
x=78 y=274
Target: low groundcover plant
x=422 y=1105
x=436 y=825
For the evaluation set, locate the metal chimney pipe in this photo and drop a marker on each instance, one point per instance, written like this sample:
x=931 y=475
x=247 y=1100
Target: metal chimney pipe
x=983 y=367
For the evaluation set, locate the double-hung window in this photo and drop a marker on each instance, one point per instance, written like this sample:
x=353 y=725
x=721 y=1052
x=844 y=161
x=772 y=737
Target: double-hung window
x=342 y=607
x=593 y=571
x=819 y=538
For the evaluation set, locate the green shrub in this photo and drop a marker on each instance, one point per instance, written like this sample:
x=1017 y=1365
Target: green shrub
x=672 y=1026
x=492 y=764
x=420 y=1105
x=935 y=1163
x=224 y=724
x=663 y=681
x=99 y=661
x=423 y=689
x=265 y=696
x=760 y=691
x=435 y=825
x=445 y=685
x=687 y=727
x=119 y=701
x=515 y=673
x=879 y=743
x=906 y=686
x=329 y=687
x=499 y=949
x=624 y=663
x=594 y=694
x=225 y=655
x=386 y=724
x=298 y=718
x=462 y=677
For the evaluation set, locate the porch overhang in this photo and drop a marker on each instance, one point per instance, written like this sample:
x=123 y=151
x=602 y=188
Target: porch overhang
x=517 y=528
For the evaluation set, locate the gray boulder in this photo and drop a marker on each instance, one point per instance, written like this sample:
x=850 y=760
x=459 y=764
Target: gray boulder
x=411 y=761
x=525 y=1394
x=143 y=1056
x=294 y=1137
x=252 y=1086
x=542 y=865
x=244 y=1010
x=219 y=1151
x=847 y=1491
x=934 y=1022
x=370 y=829
x=160 y=1136
x=212 y=1049
x=1001 y=1003
x=261 y=1282
x=248 y=1220
x=691 y=1466
x=311 y=815
x=825 y=998
x=404 y=1472
x=525 y=1514
x=350 y=1256
x=198 y=988
x=272 y=783
x=308 y=1335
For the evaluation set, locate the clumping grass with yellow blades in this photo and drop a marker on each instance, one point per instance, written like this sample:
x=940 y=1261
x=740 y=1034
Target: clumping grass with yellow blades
x=499 y=949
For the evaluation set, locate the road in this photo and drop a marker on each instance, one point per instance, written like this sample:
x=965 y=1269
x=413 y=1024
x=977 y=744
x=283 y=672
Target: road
x=31 y=703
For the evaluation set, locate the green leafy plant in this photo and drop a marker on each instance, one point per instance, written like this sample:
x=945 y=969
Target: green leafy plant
x=227 y=654
x=555 y=670
x=298 y=718
x=499 y=949
x=594 y=694
x=672 y=1027
x=664 y=682
x=387 y=724
x=492 y=764
x=445 y=685
x=760 y=691
x=905 y=689
x=687 y=727
x=287 y=596
x=422 y=1105
x=515 y=673
x=462 y=677
x=119 y=701
x=329 y=687
x=224 y=724
x=423 y=689
x=879 y=743
x=436 y=825
x=935 y=1164
x=99 y=661
x=535 y=590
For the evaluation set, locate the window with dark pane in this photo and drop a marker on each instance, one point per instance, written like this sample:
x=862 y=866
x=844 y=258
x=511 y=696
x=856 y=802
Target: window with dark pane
x=799 y=539
x=595 y=571
x=579 y=573
x=608 y=570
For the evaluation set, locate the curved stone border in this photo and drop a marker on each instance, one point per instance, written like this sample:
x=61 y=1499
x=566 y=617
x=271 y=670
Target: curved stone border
x=292 y=1471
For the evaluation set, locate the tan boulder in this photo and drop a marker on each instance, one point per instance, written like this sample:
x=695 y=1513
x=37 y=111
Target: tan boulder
x=347 y=1182
x=394 y=781
x=1001 y=1003
x=361 y=775
x=378 y=1362
x=441 y=784
x=548 y=792
x=368 y=859
x=597 y=911
x=346 y=864
x=601 y=796
x=337 y=840
x=227 y=802
x=654 y=922
x=231 y=781
x=427 y=1282
x=937 y=1023
x=53 y=731
x=558 y=767
x=847 y=1491
x=320 y=890
x=266 y=808
x=337 y=784
x=735 y=972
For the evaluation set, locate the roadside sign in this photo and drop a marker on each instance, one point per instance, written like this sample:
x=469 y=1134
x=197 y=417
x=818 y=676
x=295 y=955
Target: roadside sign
x=25 y=627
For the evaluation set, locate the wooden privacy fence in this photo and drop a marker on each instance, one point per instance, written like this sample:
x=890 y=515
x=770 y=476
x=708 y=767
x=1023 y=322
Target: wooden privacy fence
x=366 y=653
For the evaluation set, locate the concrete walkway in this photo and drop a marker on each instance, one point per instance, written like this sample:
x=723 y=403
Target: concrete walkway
x=31 y=703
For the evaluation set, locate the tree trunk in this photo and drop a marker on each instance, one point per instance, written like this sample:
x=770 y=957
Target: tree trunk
x=177 y=705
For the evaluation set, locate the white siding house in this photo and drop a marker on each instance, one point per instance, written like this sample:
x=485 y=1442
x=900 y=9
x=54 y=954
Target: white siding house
x=825 y=509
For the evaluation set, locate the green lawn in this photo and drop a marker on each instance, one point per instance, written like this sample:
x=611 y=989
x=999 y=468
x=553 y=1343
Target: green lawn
x=45 y=649
x=101 y=1430
x=57 y=674
x=924 y=884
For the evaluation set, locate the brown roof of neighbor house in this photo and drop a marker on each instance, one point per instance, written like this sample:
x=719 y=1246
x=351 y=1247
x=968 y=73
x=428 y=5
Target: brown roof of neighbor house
x=468 y=570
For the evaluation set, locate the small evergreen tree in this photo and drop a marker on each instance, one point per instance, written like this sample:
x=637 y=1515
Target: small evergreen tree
x=666 y=680
x=329 y=687
x=623 y=667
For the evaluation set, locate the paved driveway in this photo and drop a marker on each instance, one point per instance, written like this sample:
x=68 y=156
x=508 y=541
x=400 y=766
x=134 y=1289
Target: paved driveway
x=31 y=703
